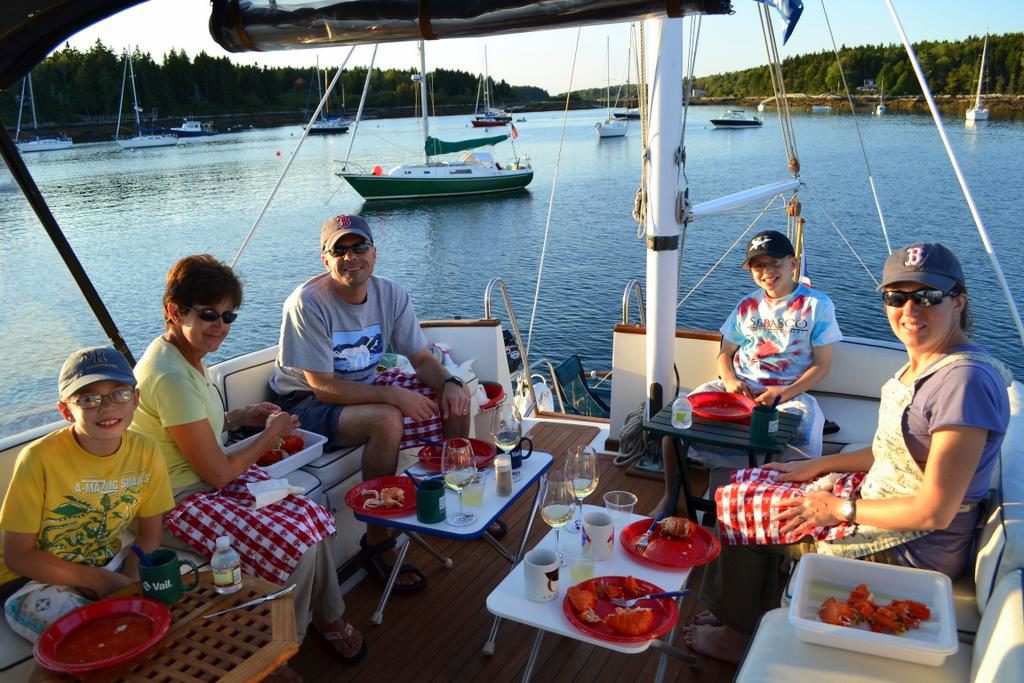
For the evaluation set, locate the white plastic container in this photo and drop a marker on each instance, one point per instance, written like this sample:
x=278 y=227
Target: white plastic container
x=819 y=576
x=313 y=448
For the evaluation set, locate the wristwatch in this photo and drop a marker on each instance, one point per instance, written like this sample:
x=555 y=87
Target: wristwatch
x=848 y=511
x=454 y=380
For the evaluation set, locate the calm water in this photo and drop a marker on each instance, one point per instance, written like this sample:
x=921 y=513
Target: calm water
x=129 y=216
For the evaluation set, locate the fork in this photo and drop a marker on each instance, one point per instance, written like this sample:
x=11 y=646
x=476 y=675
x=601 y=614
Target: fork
x=641 y=543
x=619 y=602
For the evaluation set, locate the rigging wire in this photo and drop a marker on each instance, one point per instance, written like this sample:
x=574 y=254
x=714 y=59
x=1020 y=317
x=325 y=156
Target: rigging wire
x=640 y=201
x=551 y=199
x=785 y=114
x=860 y=136
x=291 y=159
x=956 y=169
x=362 y=103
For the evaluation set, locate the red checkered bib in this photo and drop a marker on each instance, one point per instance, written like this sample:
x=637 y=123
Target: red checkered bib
x=748 y=507
x=416 y=433
x=270 y=541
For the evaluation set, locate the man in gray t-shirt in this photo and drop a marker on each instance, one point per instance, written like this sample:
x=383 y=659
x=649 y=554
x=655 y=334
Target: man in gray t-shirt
x=334 y=329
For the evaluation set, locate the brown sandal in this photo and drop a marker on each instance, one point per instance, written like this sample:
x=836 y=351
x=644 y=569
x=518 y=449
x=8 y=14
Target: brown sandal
x=340 y=640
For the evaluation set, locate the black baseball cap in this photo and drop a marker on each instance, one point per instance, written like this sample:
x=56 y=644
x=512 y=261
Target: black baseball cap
x=928 y=263
x=769 y=243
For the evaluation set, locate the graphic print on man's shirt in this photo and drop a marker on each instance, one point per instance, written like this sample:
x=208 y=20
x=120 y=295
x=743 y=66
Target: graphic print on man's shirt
x=85 y=526
x=358 y=349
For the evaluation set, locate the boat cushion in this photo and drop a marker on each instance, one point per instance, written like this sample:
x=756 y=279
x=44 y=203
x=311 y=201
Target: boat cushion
x=998 y=652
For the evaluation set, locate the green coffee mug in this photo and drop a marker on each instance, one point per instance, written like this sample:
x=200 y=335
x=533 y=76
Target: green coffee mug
x=764 y=426
x=430 y=501
x=161 y=580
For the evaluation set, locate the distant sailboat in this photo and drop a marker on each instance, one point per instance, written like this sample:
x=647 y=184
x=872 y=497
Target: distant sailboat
x=39 y=144
x=978 y=112
x=880 y=108
x=327 y=124
x=489 y=117
x=142 y=139
x=612 y=127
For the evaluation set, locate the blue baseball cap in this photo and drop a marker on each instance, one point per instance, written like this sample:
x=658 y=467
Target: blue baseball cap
x=93 y=364
x=928 y=263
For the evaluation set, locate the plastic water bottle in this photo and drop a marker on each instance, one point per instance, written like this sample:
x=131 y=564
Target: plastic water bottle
x=682 y=412
x=227 y=567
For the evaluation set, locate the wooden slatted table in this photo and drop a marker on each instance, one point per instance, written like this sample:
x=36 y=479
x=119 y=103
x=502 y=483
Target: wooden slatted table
x=733 y=436
x=244 y=645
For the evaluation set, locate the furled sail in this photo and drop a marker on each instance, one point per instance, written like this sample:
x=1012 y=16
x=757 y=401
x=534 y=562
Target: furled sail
x=435 y=146
x=257 y=25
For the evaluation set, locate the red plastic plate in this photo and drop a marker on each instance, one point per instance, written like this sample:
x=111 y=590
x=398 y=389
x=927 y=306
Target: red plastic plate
x=106 y=633
x=666 y=613
x=668 y=551
x=483 y=454
x=355 y=500
x=721 y=405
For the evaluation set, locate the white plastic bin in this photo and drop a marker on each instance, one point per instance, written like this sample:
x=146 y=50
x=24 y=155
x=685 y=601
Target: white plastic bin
x=313 y=448
x=821 y=576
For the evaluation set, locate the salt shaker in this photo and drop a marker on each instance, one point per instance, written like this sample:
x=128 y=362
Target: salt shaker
x=503 y=475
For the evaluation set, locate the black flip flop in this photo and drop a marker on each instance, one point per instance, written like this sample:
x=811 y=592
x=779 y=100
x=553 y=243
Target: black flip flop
x=376 y=566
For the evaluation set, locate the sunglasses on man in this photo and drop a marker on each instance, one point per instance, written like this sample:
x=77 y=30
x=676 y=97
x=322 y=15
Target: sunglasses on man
x=359 y=248
x=211 y=316
x=921 y=297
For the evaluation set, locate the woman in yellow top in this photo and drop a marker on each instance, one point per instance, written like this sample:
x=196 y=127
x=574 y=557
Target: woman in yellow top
x=181 y=409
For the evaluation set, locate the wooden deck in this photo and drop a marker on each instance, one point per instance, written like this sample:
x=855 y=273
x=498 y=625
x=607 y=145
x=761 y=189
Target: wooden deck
x=438 y=634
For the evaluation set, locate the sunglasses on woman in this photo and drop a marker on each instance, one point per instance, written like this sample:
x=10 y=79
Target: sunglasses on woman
x=359 y=247
x=211 y=316
x=921 y=297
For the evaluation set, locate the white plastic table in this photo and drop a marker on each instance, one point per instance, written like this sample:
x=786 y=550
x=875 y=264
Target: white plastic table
x=492 y=508
x=508 y=600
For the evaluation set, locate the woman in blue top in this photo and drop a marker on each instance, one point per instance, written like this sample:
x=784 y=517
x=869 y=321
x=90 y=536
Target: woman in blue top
x=941 y=424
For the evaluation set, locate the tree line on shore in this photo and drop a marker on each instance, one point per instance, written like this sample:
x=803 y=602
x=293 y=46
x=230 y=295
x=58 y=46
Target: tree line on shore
x=74 y=86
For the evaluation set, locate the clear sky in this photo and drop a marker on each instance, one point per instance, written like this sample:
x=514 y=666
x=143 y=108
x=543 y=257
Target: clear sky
x=545 y=58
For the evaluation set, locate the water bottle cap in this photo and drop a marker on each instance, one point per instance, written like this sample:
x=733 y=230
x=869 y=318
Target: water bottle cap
x=223 y=542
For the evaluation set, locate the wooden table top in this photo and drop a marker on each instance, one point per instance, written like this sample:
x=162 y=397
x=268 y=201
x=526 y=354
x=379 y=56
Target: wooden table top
x=244 y=645
x=721 y=434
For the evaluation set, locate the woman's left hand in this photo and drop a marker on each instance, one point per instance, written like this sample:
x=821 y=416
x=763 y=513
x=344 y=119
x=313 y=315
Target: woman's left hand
x=803 y=515
x=767 y=397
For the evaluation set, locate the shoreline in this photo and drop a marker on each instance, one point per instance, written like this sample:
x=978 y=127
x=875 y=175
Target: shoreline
x=1001 y=108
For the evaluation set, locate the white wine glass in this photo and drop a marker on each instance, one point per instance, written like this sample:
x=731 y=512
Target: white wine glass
x=507 y=430
x=459 y=469
x=556 y=507
x=581 y=472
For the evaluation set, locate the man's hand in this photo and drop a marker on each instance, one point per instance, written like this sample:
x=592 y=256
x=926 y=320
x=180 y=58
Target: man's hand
x=414 y=404
x=454 y=401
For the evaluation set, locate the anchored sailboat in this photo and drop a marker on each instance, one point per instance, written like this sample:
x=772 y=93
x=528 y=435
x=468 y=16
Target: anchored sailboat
x=611 y=127
x=142 y=138
x=473 y=173
x=39 y=144
x=978 y=112
x=489 y=117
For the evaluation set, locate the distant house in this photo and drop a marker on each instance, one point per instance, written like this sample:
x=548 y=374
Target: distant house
x=870 y=84
x=698 y=92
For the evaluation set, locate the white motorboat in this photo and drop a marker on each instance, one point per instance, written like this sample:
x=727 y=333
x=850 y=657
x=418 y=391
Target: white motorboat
x=737 y=118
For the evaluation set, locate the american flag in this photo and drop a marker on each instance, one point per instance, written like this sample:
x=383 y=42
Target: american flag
x=515 y=133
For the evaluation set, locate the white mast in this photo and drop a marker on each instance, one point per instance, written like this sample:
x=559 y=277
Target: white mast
x=608 y=74
x=981 y=75
x=120 y=102
x=662 y=227
x=423 y=96
x=135 y=96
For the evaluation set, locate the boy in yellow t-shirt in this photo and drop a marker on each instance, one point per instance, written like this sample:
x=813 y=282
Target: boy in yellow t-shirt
x=74 y=494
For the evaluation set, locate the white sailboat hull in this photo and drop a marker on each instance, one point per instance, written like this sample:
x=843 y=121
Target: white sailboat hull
x=611 y=128
x=977 y=114
x=147 y=141
x=45 y=145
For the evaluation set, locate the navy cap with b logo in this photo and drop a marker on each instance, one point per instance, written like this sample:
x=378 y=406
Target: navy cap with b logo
x=93 y=364
x=929 y=263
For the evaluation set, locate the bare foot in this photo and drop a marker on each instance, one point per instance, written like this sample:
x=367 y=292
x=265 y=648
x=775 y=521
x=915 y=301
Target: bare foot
x=719 y=642
x=658 y=507
x=705 y=618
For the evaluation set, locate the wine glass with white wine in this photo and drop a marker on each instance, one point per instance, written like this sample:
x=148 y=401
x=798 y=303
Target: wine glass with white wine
x=459 y=469
x=507 y=430
x=581 y=472
x=556 y=506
